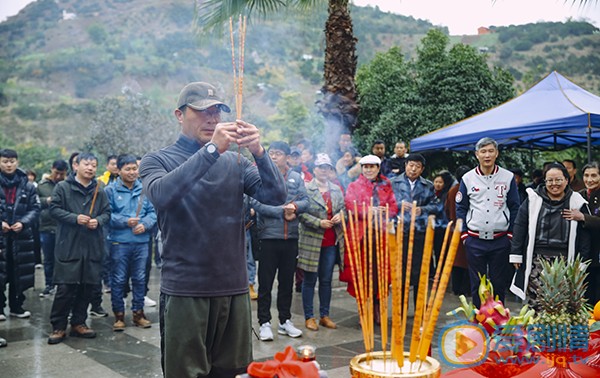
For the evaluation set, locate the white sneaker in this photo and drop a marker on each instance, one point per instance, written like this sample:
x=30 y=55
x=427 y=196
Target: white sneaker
x=149 y=302
x=21 y=314
x=288 y=328
x=265 y=333
x=2 y=317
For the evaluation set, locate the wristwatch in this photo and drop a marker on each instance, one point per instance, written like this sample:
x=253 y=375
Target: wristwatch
x=212 y=149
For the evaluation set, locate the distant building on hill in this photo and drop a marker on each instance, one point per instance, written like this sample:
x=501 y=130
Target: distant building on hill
x=66 y=15
x=483 y=30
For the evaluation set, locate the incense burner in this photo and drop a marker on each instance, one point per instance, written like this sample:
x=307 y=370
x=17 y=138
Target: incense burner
x=373 y=365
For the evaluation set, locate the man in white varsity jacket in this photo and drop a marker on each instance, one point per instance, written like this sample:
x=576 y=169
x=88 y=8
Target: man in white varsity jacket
x=488 y=202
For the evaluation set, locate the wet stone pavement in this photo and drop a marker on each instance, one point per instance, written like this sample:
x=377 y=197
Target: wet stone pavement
x=136 y=352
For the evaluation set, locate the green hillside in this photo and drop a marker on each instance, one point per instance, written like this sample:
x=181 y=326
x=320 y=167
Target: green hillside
x=60 y=59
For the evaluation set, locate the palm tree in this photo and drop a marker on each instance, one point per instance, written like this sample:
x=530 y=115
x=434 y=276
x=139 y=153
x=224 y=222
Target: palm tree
x=338 y=104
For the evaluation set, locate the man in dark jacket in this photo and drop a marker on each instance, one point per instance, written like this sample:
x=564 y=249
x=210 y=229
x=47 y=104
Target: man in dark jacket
x=196 y=186
x=81 y=208
x=278 y=234
x=47 y=223
x=411 y=187
x=19 y=209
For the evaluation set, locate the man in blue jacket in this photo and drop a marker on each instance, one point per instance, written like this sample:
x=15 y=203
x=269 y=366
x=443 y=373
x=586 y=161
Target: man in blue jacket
x=131 y=220
x=411 y=187
x=196 y=186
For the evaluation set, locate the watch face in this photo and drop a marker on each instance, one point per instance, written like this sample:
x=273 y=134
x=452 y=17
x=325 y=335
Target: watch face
x=211 y=148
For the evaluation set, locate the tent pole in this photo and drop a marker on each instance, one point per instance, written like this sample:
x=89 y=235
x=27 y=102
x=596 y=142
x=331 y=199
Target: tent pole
x=589 y=139
x=531 y=167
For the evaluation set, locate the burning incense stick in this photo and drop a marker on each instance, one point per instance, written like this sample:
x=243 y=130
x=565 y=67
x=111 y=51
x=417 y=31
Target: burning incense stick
x=238 y=69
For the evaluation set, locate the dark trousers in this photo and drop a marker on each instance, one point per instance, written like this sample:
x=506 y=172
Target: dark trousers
x=48 y=241
x=148 y=265
x=489 y=257
x=37 y=245
x=593 y=289
x=16 y=298
x=96 y=296
x=70 y=298
x=277 y=256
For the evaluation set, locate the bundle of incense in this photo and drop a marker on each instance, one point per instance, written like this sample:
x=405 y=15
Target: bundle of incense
x=238 y=67
x=441 y=290
x=389 y=252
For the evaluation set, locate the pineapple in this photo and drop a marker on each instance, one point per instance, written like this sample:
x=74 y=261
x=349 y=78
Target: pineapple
x=578 y=307
x=563 y=310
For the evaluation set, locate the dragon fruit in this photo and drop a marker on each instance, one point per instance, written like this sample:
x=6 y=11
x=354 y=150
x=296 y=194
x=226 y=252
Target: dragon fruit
x=491 y=315
x=509 y=343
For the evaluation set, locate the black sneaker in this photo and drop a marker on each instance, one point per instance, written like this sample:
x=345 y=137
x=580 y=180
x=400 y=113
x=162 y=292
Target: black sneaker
x=98 y=312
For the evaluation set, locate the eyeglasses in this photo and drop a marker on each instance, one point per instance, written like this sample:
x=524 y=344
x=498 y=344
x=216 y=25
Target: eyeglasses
x=555 y=181
x=214 y=112
x=276 y=153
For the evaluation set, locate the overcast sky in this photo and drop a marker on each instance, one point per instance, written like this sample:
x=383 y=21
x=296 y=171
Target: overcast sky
x=460 y=16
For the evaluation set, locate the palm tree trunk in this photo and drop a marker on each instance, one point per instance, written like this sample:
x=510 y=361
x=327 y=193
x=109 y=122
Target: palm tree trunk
x=338 y=105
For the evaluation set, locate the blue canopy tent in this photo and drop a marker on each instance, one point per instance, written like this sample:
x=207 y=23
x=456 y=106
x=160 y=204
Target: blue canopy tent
x=553 y=114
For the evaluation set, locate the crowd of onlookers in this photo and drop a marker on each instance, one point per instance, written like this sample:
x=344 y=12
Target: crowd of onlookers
x=98 y=232
x=494 y=204
x=89 y=229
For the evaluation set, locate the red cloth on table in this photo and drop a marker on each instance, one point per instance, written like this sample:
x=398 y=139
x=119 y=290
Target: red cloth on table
x=284 y=365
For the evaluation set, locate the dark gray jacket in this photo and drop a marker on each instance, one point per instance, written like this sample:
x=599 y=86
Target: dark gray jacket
x=199 y=203
x=270 y=221
x=44 y=190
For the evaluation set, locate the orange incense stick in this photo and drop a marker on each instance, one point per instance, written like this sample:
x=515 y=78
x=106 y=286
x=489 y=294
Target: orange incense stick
x=439 y=297
x=422 y=291
x=398 y=340
x=438 y=270
x=411 y=241
x=361 y=273
x=353 y=269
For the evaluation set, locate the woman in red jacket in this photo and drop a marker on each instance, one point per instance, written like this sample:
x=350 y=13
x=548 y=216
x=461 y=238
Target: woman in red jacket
x=370 y=185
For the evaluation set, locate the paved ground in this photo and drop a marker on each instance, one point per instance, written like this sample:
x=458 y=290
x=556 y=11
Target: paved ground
x=135 y=352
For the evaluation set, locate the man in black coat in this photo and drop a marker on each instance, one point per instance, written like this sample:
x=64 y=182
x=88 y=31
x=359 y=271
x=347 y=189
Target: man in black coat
x=19 y=209
x=80 y=208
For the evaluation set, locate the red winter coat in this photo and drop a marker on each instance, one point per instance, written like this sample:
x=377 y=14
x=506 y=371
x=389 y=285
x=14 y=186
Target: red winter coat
x=361 y=191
